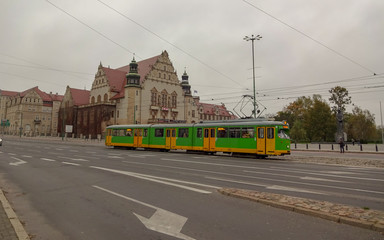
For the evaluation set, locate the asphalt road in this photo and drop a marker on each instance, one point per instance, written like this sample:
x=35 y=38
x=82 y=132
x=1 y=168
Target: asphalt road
x=73 y=191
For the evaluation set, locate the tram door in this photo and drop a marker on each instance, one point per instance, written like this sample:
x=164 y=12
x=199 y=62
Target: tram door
x=265 y=140
x=138 y=137
x=170 y=138
x=108 y=138
x=209 y=139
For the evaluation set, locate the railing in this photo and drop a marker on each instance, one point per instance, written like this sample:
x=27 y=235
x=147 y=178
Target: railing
x=349 y=147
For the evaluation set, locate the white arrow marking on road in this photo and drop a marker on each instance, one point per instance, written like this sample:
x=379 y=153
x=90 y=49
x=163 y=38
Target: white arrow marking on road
x=320 y=179
x=282 y=188
x=162 y=221
x=19 y=162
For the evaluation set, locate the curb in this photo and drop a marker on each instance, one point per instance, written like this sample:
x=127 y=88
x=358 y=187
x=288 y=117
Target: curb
x=328 y=216
x=18 y=227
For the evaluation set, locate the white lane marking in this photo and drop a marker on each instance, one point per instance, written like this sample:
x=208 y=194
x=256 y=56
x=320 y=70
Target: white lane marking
x=320 y=179
x=290 y=189
x=271 y=169
x=12 y=154
x=236 y=181
x=26 y=156
x=338 y=172
x=47 y=159
x=69 y=163
x=153 y=179
x=19 y=162
x=321 y=174
x=294 y=176
x=74 y=159
x=59 y=149
x=274 y=187
x=162 y=221
x=114 y=157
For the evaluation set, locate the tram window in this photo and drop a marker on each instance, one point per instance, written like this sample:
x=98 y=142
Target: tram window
x=145 y=134
x=234 y=132
x=173 y=133
x=159 y=132
x=282 y=134
x=222 y=132
x=213 y=132
x=206 y=133
x=260 y=132
x=183 y=132
x=270 y=133
x=168 y=133
x=199 y=133
x=128 y=133
x=247 y=132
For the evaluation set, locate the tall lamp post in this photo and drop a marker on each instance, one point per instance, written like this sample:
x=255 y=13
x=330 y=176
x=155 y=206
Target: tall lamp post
x=253 y=38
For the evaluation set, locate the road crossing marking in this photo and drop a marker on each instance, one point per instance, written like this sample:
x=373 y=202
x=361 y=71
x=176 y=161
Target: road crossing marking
x=75 y=159
x=69 y=163
x=47 y=159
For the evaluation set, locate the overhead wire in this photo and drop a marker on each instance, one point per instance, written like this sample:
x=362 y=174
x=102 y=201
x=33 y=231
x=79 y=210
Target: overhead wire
x=311 y=38
x=170 y=43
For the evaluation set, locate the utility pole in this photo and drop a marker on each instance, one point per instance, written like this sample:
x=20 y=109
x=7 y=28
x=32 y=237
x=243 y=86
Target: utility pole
x=382 y=132
x=253 y=38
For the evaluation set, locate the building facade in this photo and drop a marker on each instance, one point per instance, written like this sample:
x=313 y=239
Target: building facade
x=30 y=113
x=144 y=92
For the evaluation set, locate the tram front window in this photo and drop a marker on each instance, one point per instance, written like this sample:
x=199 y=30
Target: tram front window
x=283 y=134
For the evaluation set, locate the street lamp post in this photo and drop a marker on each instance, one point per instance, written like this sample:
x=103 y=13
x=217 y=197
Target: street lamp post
x=253 y=38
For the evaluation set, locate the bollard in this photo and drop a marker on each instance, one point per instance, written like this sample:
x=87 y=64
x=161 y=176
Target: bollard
x=319 y=146
x=346 y=147
x=377 y=148
x=361 y=147
x=295 y=146
x=307 y=146
x=332 y=147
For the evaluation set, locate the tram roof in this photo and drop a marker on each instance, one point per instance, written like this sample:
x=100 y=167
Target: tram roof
x=239 y=122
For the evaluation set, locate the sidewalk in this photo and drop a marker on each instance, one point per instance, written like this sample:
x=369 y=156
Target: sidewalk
x=10 y=226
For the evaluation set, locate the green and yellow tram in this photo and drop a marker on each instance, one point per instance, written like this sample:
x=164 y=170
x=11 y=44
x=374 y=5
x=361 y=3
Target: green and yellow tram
x=247 y=136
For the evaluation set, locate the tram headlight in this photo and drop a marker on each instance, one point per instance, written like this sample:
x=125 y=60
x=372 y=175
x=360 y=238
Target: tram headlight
x=288 y=146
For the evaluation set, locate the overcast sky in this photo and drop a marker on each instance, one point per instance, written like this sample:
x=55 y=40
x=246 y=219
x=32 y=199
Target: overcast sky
x=307 y=46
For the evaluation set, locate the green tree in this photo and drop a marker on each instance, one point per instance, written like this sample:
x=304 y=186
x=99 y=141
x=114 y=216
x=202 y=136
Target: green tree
x=361 y=125
x=297 y=132
x=319 y=122
x=295 y=110
x=339 y=97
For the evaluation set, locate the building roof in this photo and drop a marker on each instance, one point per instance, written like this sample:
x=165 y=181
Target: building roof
x=8 y=93
x=210 y=109
x=79 y=96
x=117 y=77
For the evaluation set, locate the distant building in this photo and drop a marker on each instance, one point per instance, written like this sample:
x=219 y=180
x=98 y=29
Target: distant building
x=143 y=92
x=30 y=113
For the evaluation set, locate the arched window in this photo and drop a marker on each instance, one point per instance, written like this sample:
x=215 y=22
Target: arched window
x=99 y=99
x=105 y=97
x=93 y=99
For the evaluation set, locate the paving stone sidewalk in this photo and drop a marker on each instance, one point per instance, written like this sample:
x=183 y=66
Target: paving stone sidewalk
x=359 y=217
x=7 y=231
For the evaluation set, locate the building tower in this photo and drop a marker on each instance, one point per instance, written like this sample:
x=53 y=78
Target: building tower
x=185 y=84
x=133 y=92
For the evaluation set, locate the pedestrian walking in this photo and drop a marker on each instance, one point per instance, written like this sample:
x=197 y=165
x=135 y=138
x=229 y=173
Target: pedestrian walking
x=342 y=144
